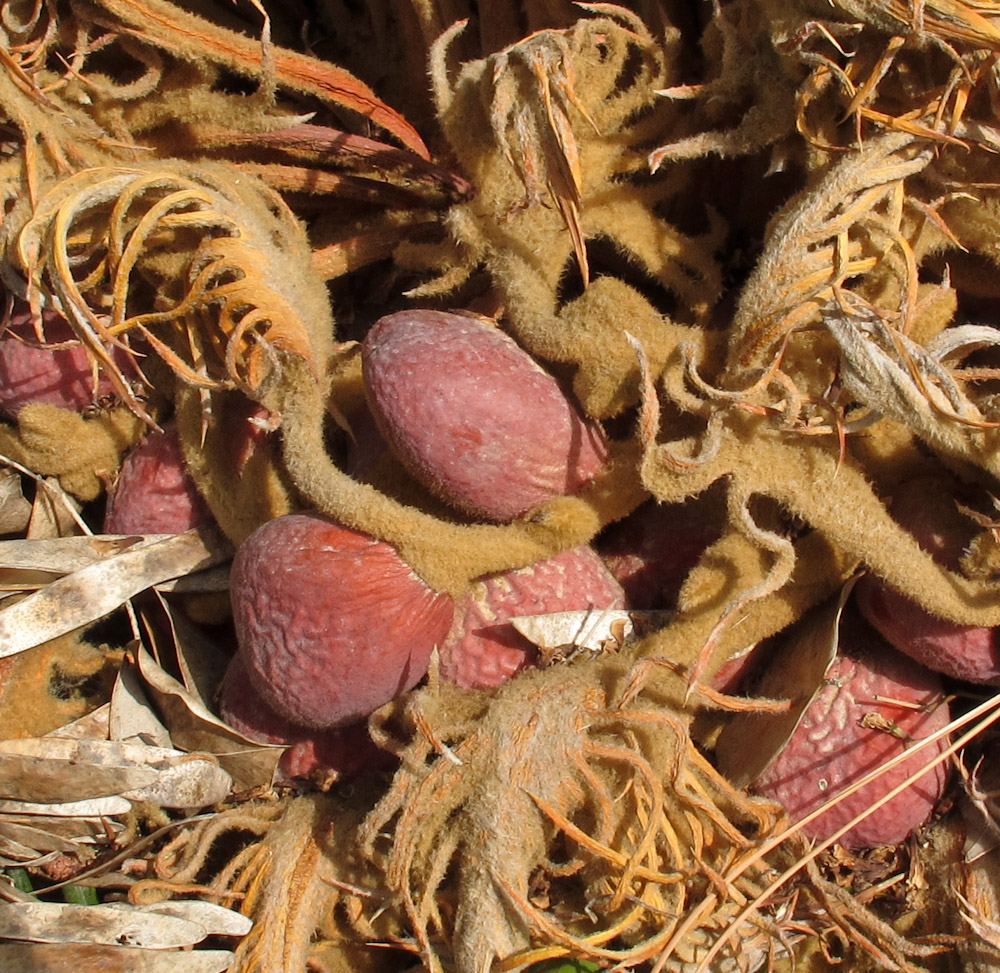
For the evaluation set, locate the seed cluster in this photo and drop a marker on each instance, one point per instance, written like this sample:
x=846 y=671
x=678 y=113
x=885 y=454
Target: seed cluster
x=708 y=291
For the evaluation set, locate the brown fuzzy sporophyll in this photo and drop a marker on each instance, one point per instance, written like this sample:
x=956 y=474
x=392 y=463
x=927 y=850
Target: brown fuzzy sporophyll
x=609 y=265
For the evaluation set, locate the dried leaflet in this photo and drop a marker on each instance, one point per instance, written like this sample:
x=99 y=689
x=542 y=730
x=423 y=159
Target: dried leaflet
x=14 y=508
x=131 y=718
x=65 y=957
x=94 y=591
x=194 y=726
x=49 y=922
x=53 y=768
x=64 y=555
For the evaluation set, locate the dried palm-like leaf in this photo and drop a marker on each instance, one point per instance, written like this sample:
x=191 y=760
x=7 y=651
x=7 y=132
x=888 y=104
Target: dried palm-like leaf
x=112 y=959
x=193 y=726
x=65 y=923
x=839 y=229
x=169 y=28
x=52 y=768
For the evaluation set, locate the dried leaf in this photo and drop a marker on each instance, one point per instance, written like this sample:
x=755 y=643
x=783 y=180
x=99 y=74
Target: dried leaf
x=57 y=922
x=201 y=662
x=54 y=512
x=193 y=726
x=66 y=958
x=215 y=919
x=94 y=591
x=190 y=783
x=131 y=716
x=100 y=806
x=53 y=770
x=93 y=726
x=50 y=769
x=64 y=555
x=564 y=635
x=38 y=839
x=14 y=509
x=84 y=830
x=13 y=851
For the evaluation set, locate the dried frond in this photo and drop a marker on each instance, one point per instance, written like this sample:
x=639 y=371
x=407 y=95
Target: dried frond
x=182 y=34
x=896 y=377
x=945 y=21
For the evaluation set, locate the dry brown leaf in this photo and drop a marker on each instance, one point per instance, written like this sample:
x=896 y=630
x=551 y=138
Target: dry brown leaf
x=50 y=769
x=193 y=726
x=561 y=636
x=98 y=589
x=59 y=922
x=47 y=771
x=93 y=726
x=190 y=783
x=216 y=920
x=15 y=511
x=131 y=717
x=54 y=512
x=40 y=840
x=201 y=662
x=750 y=741
x=32 y=840
x=64 y=555
x=104 y=807
x=75 y=829
x=13 y=852
x=75 y=958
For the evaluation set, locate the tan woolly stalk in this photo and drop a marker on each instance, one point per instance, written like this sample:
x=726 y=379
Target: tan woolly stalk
x=446 y=555
x=810 y=480
x=558 y=155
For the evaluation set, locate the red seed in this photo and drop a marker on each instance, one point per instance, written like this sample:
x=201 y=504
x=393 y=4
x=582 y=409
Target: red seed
x=56 y=376
x=473 y=416
x=344 y=751
x=483 y=649
x=970 y=652
x=875 y=702
x=332 y=622
x=154 y=493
